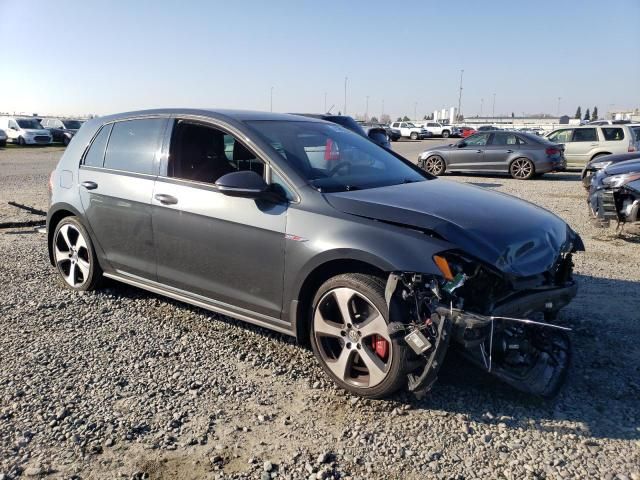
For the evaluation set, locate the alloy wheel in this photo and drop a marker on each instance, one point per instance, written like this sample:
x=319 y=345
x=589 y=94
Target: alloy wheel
x=521 y=168
x=434 y=165
x=352 y=338
x=72 y=255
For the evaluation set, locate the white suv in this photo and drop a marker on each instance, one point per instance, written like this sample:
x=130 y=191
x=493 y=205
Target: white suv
x=583 y=144
x=408 y=129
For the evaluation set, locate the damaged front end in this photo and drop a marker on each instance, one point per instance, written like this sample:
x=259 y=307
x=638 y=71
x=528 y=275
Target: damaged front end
x=501 y=322
x=616 y=197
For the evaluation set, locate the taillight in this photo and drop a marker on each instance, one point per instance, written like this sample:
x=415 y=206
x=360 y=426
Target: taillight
x=632 y=147
x=552 y=151
x=331 y=152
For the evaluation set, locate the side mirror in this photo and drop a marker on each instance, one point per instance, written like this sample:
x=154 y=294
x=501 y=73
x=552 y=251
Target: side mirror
x=13 y=128
x=462 y=144
x=244 y=183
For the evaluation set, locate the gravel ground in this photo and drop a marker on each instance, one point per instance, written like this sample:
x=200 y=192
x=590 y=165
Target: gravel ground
x=122 y=383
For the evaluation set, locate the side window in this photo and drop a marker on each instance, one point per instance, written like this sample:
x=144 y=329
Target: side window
x=403 y=125
x=95 y=155
x=133 y=145
x=395 y=125
x=561 y=136
x=585 y=135
x=477 y=140
x=13 y=124
x=613 y=134
x=45 y=123
x=204 y=154
x=504 y=138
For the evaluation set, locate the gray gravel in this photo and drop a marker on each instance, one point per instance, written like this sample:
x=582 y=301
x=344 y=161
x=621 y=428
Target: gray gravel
x=122 y=383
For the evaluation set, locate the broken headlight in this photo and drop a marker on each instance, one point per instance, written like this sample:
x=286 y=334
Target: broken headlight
x=616 y=181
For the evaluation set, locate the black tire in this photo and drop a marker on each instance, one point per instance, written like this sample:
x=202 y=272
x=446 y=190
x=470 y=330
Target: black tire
x=445 y=134
x=434 y=164
x=21 y=141
x=522 y=169
x=3 y=143
x=66 y=140
x=367 y=289
x=82 y=253
x=413 y=136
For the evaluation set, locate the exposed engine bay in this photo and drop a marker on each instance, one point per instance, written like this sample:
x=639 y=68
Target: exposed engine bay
x=500 y=323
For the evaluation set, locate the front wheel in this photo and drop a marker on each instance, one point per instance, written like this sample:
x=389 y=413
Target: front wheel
x=522 y=169
x=74 y=256
x=21 y=141
x=349 y=336
x=435 y=165
x=66 y=140
x=445 y=134
x=413 y=136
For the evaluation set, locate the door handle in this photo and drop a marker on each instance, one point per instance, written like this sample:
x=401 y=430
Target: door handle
x=89 y=185
x=166 y=199
x=478 y=151
x=509 y=151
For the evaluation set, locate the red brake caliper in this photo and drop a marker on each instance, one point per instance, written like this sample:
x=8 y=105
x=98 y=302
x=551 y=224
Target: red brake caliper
x=380 y=346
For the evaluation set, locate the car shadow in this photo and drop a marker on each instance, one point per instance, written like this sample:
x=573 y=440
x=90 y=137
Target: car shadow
x=599 y=398
x=550 y=176
x=485 y=184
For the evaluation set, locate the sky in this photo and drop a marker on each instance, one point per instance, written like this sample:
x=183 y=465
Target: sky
x=83 y=56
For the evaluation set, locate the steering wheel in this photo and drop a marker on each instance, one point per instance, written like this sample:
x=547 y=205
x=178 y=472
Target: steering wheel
x=335 y=169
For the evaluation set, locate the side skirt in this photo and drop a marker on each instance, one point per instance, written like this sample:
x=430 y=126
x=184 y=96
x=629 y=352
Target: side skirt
x=264 y=321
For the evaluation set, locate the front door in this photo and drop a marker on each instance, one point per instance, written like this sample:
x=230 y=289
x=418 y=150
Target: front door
x=469 y=153
x=116 y=183
x=226 y=249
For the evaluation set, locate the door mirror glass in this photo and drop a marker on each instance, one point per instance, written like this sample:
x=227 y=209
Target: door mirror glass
x=462 y=144
x=244 y=183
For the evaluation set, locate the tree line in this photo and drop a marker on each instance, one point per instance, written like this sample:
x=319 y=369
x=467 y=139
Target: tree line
x=589 y=116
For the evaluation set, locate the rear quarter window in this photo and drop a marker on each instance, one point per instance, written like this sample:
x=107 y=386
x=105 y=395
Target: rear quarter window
x=95 y=155
x=613 y=134
x=133 y=145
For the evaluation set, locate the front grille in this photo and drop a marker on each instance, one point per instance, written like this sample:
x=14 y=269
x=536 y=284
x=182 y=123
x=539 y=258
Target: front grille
x=42 y=139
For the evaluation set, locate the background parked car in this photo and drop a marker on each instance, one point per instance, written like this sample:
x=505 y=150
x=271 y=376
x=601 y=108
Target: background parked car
x=393 y=133
x=61 y=129
x=3 y=138
x=522 y=155
x=486 y=128
x=25 y=131
x=439 y=130
x=583 y=144
x=345 y=120
x=467 y=131
x=615 y=193
x=409 y=130
x=602 y=162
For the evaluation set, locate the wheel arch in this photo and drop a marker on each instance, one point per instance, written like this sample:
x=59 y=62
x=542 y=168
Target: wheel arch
x=599 y=154
x=314 y=279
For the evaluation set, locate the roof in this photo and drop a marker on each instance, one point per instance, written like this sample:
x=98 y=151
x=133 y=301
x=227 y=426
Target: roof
x=238 y=115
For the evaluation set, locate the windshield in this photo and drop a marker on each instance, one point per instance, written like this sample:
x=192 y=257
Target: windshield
x=72 y=124
x=332 y=158
x=29 y=123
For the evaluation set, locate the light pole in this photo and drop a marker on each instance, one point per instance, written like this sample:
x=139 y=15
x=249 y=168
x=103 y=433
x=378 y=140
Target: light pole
x=460 y=97
x=559 y=98
x=415 y=110
x=493 y=109
x=366 y=111
x=382 y=114
x=271 y=100
x=481 y=102
x=345 y=95
x=325 y=102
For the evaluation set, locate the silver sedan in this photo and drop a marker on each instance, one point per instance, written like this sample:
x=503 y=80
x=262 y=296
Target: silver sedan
x=522 y=155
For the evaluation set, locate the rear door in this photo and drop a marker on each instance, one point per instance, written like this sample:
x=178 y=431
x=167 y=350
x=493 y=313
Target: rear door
x=501 y=149
x=469 y=154
x=582 y=145
x=615 y=140
x=116 y=179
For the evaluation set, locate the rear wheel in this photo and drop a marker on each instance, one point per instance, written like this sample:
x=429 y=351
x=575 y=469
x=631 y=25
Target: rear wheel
x=65 y=140
x=522 y=169
x=413 y=136
x=21 y=141
x=74 y=255
x=445 y=134
x=435 y=165
x=349 y=337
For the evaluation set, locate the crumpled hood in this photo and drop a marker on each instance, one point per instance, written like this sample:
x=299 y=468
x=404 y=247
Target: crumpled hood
x=512 y=235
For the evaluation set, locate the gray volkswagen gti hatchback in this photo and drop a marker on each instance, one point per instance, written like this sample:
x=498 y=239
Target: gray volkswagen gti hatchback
x=301 y=226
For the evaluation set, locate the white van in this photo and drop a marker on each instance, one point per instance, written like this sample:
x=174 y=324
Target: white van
x=583 y=144
x=25 y=131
